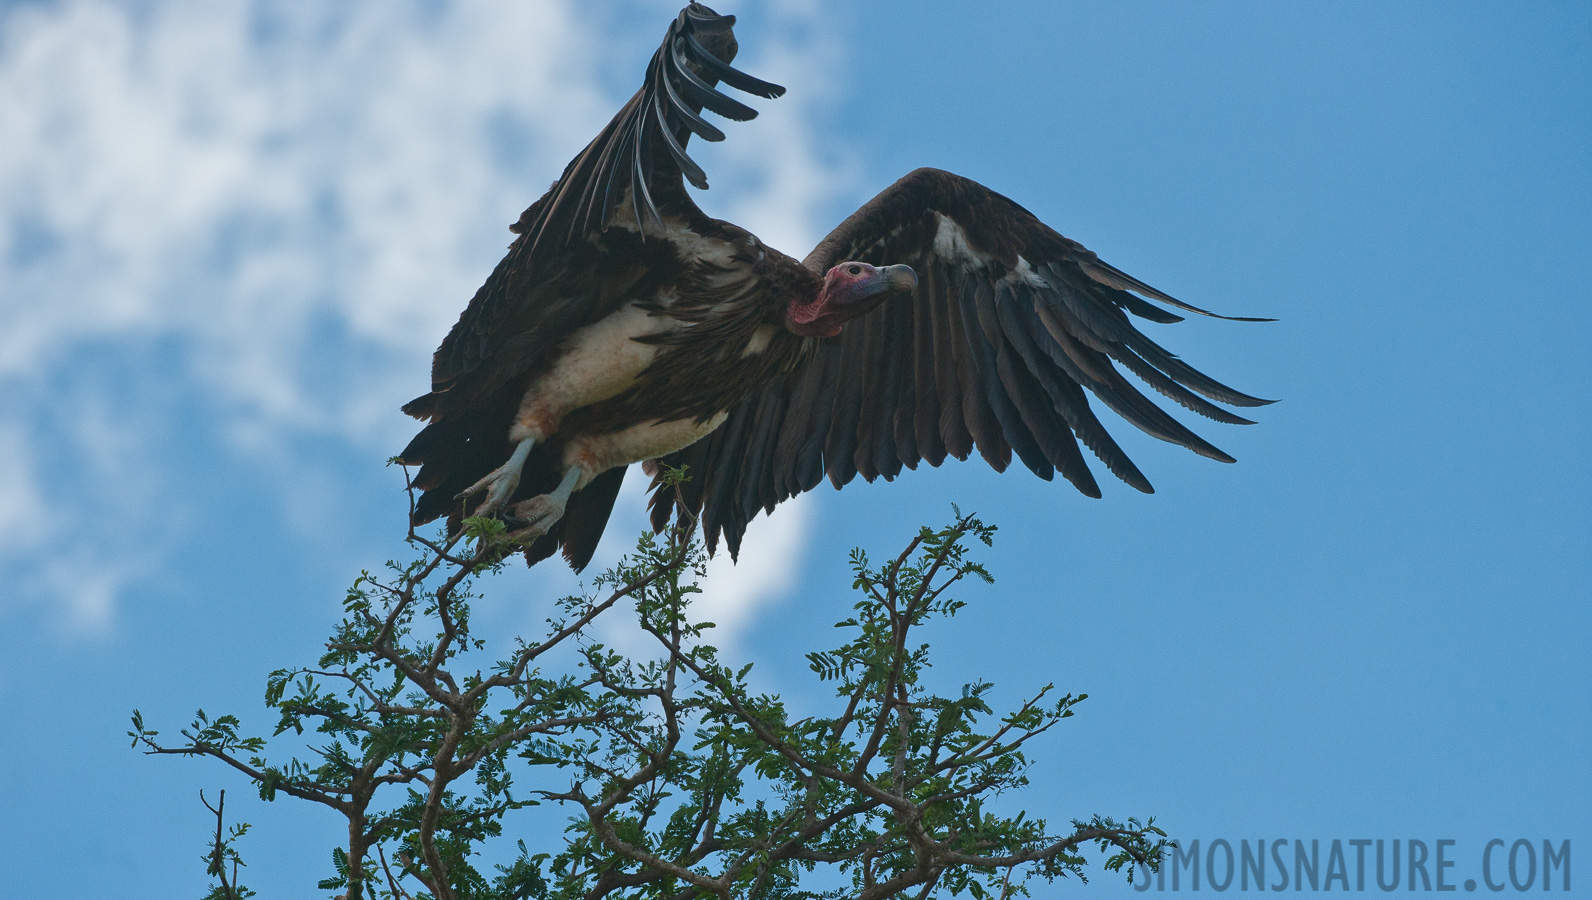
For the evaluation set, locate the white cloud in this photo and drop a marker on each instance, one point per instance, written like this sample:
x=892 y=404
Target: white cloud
x=226 y=172
x=76 y=560
x=301 y=197
x=772 y=553
x=21 y=504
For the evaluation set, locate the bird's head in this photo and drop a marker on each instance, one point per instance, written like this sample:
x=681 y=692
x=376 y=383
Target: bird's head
x=849 y=290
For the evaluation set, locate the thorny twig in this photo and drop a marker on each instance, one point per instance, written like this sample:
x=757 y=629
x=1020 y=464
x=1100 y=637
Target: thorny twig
x=220 y=853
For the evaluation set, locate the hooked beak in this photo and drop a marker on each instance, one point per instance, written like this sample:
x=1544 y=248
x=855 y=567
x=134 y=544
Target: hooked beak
x=887 y=279
x=902 y=278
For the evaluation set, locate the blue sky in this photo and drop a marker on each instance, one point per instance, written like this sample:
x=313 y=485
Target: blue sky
x=230 y=235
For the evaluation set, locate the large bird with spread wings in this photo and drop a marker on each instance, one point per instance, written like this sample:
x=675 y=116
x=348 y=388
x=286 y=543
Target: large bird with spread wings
x=625 y=325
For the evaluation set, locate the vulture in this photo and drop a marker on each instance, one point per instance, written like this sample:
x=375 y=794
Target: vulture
x=625 y=325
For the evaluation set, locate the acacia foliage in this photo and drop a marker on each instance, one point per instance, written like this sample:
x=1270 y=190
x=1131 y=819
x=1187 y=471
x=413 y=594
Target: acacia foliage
x=679 y=779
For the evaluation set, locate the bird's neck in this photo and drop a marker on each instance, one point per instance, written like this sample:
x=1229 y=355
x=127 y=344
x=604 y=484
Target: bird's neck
x=811 y=314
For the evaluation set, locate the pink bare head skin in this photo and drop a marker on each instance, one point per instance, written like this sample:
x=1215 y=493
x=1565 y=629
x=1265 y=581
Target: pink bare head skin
x=850 y=289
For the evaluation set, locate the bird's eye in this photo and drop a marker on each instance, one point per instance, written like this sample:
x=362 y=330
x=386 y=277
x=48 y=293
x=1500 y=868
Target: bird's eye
x=854 y=271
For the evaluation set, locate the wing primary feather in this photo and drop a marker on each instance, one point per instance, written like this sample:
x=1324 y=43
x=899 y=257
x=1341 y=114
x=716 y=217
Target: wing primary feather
x=926 y=401
x=1069 y=400
x=612 y=161
x=716 y=481
x=1176 y=392
x=586 y=198
x=761 y=493
x=607 y=212
x=841 y=444
x=700 y=126
x=1100 y=318
x=985 y=339
x=1066 y=395
x=1157 y=356
x=719 y=506
x=808 y=470
x=729 y=75
x=1176 y=432
x=760 y=408
x=768 y=491
x=873 y=421
x=806 y=426
x=638 y=182
x=1018 y=321
x=1107 y=324
x=1010 y=393
x=981 y=423
x=1096 y=366
x=688 y=167
x=1144 y=309
x=589 y=175
x=902 y=399
x=1090 y=368
x=1107 y=274
x=1127 y=402
x=642 y=196
x=701 y=92
x=896 y=361
x=954 y=431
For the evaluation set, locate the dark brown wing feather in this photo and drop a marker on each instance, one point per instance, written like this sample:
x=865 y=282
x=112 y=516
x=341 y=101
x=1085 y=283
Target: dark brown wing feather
x=1010 y=325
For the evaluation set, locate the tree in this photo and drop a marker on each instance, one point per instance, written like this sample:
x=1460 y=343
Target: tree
x=682 y=781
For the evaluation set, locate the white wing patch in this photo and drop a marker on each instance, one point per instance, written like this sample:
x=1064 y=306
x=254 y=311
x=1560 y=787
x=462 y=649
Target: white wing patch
x=950 y=243
x=1026 y=274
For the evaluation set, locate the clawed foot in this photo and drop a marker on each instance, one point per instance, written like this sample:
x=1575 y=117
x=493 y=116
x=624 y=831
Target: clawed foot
x=500 y=483
x=534 y=517
x=499 y=487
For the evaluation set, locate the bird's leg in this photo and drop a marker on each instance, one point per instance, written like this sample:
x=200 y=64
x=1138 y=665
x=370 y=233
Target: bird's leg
x=500 y=483
x=537 y=515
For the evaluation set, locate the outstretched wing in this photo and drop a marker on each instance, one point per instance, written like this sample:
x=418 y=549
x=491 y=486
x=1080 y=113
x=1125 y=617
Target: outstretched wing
x=581 y=248
x=1011 y=324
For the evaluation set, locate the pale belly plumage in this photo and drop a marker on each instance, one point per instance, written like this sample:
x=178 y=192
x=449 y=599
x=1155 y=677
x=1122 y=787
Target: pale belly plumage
x=600 y=362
